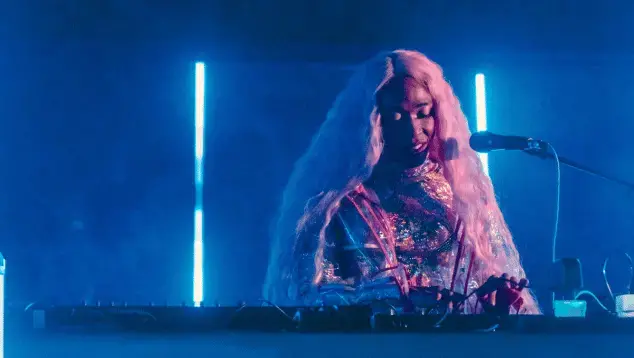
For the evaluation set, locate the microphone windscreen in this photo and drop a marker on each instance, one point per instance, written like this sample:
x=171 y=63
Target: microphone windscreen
x=480 y=142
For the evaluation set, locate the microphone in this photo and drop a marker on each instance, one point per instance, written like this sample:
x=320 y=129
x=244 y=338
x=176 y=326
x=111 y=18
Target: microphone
x=484 y=142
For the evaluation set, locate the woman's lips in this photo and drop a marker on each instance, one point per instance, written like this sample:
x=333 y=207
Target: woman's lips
x=419 y=147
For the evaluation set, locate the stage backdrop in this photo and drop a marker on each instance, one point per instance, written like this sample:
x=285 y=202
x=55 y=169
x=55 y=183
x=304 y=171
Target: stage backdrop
x=97 y=151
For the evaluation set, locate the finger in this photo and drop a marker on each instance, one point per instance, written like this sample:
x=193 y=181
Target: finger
x=513 y=282
x=522 y=284
x=438 y=291
x=505 y=280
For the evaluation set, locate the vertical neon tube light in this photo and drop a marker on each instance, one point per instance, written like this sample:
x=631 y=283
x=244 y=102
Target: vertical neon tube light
x=481 y=115
x=198 y=182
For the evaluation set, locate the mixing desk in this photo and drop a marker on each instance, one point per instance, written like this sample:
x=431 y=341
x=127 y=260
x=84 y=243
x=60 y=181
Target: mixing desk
x=85 y=331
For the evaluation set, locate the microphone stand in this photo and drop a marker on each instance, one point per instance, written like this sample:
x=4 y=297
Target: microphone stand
x=582 y=168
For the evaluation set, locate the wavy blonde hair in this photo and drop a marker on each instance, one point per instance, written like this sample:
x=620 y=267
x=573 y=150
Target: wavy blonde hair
x=343 y=154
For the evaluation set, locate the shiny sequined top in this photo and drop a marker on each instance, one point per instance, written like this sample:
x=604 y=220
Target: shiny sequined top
x=405 y=236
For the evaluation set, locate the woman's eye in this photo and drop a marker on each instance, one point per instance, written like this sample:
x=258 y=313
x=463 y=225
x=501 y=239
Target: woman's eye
x=422 y=114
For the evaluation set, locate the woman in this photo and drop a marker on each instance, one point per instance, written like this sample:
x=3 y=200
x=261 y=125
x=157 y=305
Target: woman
x=389 y=198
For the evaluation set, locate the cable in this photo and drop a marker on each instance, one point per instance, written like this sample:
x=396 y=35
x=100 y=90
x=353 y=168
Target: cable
x=443 y=318
x=557 y=202
x=489 y=330
x=29 y=306
x=132 y=312
x=263 y=302
x=594 y=297
x=557 y=210
x=343 y=299
x=630 y=279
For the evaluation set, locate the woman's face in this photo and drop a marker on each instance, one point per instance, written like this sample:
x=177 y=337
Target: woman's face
x=407 y=120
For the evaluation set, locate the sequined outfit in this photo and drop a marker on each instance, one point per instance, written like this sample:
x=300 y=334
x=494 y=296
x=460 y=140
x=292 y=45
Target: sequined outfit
x=386 y=242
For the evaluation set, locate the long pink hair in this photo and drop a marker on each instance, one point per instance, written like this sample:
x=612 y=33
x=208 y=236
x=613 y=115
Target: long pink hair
x=343 y=154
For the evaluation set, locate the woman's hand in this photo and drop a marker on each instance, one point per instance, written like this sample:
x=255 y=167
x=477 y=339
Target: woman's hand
x=502 y=293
